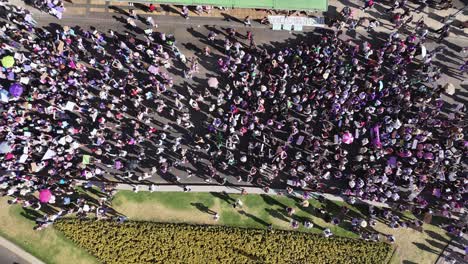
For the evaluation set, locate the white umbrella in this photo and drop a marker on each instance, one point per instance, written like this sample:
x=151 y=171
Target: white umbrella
x=423 y=51
x=449 y=88
x=5 y=147
x=4 y=96
x=363 y=223
x=213 y=82
x=49 y=154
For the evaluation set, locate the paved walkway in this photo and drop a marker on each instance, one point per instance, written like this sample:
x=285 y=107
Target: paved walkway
x=229 y=189
x=11 y=253
x=455 y=250
x=434 y=18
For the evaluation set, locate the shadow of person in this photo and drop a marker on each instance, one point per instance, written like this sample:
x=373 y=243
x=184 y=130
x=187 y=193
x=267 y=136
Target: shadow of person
x=141 y=7
x=223 y=196
x=120 y=19
x=269 y=200
x=253 y=217
x=426 y=248
x=215 y=30
x=191 y=46
x=31 y=214
x=203 y=208
x=170 y=9
x=119 y=10
x=435 y=243
x=436 y=236
x=228 y=17
x=277 y=214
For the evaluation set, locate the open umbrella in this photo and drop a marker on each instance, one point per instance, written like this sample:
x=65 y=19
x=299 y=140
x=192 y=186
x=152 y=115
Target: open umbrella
x=45 y=195
x=8 y=61
x=66 y=201
x=423 y=51
x=152 y=69
x=428 y=156
x=118 y=164
x=347 y=138
x=213 y=82
x=4 y=96
x=363 y=223
x=449 y=88
x=5 y=147
x=16 y=90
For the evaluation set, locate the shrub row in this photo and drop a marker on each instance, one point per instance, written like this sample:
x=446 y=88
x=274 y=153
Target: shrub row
x=149 y=242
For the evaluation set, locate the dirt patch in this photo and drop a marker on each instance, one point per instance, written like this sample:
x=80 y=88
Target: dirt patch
x=160 y=213
x=413 y=244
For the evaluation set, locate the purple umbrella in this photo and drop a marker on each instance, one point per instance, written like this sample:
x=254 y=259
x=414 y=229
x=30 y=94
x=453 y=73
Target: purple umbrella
x=118 y=165
x=428 y=156
x=45 y=195
x=392 y=161
x=152 y=69
x=16 y=90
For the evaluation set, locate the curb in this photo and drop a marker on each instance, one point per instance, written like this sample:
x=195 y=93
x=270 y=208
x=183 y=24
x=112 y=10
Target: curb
x=206 y=188
x=19 y=251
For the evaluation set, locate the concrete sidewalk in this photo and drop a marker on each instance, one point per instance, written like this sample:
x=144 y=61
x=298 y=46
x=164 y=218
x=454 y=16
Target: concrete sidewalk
x=92 y=9
x=24 y=256
x=230 y=189
x=454 y=251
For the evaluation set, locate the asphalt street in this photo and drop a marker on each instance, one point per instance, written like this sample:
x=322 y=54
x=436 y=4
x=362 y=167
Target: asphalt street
x=8 y=257
x=190 y=38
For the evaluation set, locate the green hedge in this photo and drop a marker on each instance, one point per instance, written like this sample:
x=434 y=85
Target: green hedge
x=149 y=242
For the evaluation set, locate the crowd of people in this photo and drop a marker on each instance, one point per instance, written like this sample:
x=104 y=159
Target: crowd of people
x=81 y=104
x=339 y=110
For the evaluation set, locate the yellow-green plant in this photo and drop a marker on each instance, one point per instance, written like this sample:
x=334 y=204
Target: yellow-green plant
x=149 y=242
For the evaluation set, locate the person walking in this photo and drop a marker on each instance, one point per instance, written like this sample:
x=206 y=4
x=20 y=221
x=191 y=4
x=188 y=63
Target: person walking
x=368 y=4
x=151 y=8
x=185 y=12
x=444 y=32
x=247 y=21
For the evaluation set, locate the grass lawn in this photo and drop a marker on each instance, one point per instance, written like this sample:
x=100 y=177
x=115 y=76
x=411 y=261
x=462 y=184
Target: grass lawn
x=48 y=245
x=260 y=210
x=257 y=211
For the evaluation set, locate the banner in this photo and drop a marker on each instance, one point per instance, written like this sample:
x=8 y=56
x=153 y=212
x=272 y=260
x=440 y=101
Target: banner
x=302 y=21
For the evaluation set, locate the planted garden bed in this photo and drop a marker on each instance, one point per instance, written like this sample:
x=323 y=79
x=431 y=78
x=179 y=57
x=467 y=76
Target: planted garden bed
x=148 y=242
